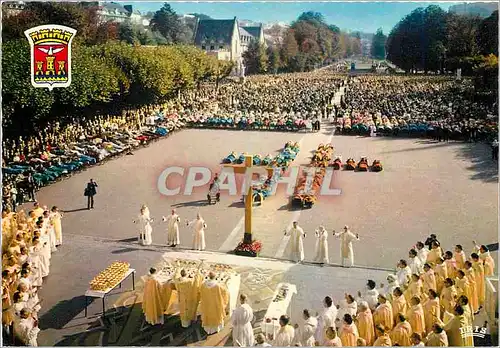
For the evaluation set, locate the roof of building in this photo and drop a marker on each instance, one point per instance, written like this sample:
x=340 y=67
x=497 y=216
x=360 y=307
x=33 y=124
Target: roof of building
x=254 y=31
x=112 y=6
x=218 y=31
x=243 y=32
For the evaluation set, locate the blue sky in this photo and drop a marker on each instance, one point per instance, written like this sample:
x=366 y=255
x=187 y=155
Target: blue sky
x=366 y=17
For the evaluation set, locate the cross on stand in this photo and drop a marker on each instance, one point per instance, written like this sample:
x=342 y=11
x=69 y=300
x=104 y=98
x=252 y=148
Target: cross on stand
x=239 y=169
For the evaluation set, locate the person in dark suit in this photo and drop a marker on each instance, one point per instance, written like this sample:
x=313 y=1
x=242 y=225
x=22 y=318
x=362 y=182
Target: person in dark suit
x=31 y=187
x=90 y=192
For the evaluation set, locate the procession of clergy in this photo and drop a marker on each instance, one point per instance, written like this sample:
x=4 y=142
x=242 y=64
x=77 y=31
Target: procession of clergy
x=27 y=245
x=431 y=299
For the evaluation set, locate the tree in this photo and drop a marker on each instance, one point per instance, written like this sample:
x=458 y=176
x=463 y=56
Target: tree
x=166 y=22
x=290 y=48
x=127 y=34
x=487 y=37
x=378 y=45
x=274 y=59
x=255 y=58
x=200 y=16
x=356 y=44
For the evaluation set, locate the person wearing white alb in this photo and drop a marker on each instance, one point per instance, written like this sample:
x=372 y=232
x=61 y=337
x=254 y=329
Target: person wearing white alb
x=27 y=328
x=306 y=332
x=242 y=324
x=403 y=273
x=326 y=319
x=422 y=252
x=370 y=295
x=416 y=266
x=322 y=246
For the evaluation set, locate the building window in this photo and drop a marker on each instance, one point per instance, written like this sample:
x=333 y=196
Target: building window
x=221 y=47
x=212 y=48
x=203 y=47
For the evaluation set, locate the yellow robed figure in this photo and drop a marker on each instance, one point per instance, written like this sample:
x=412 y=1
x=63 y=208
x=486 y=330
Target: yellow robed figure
x=152 y=299
x=479 y=271
x=188 y=295
x=214 y=298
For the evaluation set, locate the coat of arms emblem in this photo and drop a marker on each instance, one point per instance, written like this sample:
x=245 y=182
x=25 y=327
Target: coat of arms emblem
x=50 y=55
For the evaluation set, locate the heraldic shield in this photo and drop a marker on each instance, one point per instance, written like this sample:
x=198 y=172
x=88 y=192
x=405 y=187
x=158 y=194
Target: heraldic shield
x=50 y=55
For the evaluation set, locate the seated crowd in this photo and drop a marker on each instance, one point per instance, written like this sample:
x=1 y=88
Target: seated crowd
x=430 y=300
x=27 y=245
x=438 y=107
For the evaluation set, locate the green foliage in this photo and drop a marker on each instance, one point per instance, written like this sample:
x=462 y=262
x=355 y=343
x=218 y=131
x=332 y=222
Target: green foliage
x=378 y=45
x=431 y=39
x=168 y=24
x=488 y=35
x=255 y=58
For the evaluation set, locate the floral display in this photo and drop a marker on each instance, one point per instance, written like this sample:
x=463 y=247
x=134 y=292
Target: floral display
x=252 y=249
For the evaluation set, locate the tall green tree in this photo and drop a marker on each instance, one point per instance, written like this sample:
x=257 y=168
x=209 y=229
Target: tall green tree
x=487 y=36
x=167 y=22
x=290 y=48
x=378 y=45
x=274 y=59
x=255 y=58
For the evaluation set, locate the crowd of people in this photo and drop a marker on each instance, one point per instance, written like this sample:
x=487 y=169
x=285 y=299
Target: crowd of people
x=389 y=105
x=28 y=242
x=438 y=107
x=431 y=300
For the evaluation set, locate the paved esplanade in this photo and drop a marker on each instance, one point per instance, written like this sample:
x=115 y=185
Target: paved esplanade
x=425 y=187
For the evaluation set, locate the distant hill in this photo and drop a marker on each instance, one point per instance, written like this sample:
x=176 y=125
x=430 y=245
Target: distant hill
x=482 y=9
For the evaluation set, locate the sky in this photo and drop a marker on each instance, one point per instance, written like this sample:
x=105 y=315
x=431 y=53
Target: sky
x=365 y=17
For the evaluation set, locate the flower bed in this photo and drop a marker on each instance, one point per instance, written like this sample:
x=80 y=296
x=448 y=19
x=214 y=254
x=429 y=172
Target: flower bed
x=252 y=250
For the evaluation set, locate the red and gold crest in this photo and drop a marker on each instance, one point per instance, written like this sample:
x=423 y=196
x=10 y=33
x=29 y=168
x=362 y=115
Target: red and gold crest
x=50 y=55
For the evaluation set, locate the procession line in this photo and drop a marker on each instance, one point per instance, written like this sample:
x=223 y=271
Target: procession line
x=229 y=243
x=285 y=239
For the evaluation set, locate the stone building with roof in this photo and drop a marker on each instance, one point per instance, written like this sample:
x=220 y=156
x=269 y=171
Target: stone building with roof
x=115 y=12
x=226 y=39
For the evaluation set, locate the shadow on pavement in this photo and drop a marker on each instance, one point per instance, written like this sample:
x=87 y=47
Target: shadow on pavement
x=125 y=250
x=482 y=165
x=74 y=210
x=199 y=203
x=62 y=313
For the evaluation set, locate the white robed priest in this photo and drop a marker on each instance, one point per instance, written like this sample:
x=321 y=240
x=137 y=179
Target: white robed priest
x=145 y=229
x=322 y=245
x=346 y=252
x=297 y=235
x=172 y=229
x=242 y=324
x=198 y=232
x=27 y=328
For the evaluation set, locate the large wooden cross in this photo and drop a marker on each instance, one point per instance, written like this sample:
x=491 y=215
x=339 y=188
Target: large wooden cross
x=241 y=169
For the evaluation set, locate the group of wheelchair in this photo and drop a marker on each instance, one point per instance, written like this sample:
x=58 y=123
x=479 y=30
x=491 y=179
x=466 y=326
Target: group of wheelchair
x=50 y=166
x=264 y=189
x=282 y=125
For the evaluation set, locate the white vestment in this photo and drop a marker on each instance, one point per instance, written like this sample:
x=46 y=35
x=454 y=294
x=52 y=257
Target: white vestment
x=198 y=234
x=27 y=331
x=322 y=247
x=36 y=266
x=346 y=251
x=415 y=265
x=145 y=229
x=297 y=246
x=242 y=326
x=325 y=320
x=284 y=338
x=173 y=229
x=403 y=275
x=307 y=332
x=347 y=308
x=371 y=297
x=422 y=255
x=44 y=255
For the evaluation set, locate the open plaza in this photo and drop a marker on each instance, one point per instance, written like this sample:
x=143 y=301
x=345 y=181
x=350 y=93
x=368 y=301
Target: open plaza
x=177 y=175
